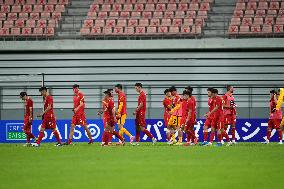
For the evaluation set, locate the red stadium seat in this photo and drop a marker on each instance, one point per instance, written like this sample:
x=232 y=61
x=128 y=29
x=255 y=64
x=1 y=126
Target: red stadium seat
x=278 y=28
x=124 y=15
x=251 y=5
x=127 y=7
x=182 y=6
x=49 y=32
x=274 y=5
x=139 y=7
x=166 y=22
x=114 y=14
x=59 y=8
x=238 y=13
x=174 y=30
x=196 y=30
x=27 y=8
x=100 y=22
x=185 y=30
x=269 y=20
x=143 y=22
x=4 y=31
x=41 y=2
x=56 y=16
x=146 y=14
x=258 y=21
x=255 y=29
x=38 y=31
x=163 y=29
x=233 y=29
x=48 y=8
x=38 y=8
x=102 y=15
x=177 y=22
x=266 y=29
x=52 y=23
x=45 y=15
x=188 y=22
x=5 y=8
x=150 y=7
x=247 y=21
x=129 y=30
x=191 y=14
x=244 y=30
x=19 y=2
x=110 y=23
x=8 y=24
x=194 y=6
x=204 y=6
x=12 y=16
x=158 y=14
x=179 y=14
x=118 y=30
x=96 y=31
x=155 y=22
x=140 y=30
x=136 y=14
x=15 y=31
x=240 y=6
x=41 y=23
x=132 y=22
x=152 y=30
x=16 y=8
x=172 y=7
x=260 y=13
x=107 y=31
x=249 y=13
x=88 y=23
x=160 y=7
x=26 y=31
x=106 y=8
x=168 y=14
x=263 y=5
x=30 y=23
x=20 y=23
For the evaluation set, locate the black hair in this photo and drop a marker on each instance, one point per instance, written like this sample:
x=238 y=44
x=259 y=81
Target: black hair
x=189 y=88
x=75 y=86
x=166 y=91
x=211 y=89
x=172 y=88
x=273 y=92
x=107 y=92
x=22 y=94
x=42 y=89
x=138 y=85
x=228 y=87
x=118 y=86
x=215 y=91
x=186 y=92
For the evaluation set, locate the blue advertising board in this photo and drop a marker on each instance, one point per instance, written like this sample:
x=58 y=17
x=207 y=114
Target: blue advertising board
x=248 y=130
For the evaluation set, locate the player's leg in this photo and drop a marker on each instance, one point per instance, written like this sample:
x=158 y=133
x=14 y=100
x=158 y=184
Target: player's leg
x=277 y=123
x=205 y=131
x=123 y=130
x=212 y=135
x=137 y=133
x=219 y=136
x=72 y=128
x=268 y=131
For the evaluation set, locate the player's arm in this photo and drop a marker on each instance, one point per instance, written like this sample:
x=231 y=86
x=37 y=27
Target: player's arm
x=120 y=106
x=224 y=104
x=46 y=110
x=113 y=114
x=80 y=105
x=139 y=106
x=31 y=114
x=214 y=110
x=175 y=108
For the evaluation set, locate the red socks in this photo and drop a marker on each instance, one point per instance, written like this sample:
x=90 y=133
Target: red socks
x=205 y=136
x=225 y=134
x=56 y=134
x=148 y=133
x=268 y=134
x=29 y=136
x=280 y=135
x=137 y=136
x=212 y=135
x=40 y=136
x=233 y=133
x=219 y=137
x=117 y=135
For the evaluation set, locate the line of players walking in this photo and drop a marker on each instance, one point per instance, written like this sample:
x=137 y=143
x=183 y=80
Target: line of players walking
x=179 y=116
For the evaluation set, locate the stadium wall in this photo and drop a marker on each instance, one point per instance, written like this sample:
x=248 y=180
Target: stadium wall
x=252 y=66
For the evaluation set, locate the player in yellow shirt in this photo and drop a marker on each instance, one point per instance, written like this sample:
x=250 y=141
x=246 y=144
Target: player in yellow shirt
x=121 y=112
x=279 y=104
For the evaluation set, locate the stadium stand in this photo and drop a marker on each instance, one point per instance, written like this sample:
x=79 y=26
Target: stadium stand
x=257 y=18
x=146 y=18
x=30 y=18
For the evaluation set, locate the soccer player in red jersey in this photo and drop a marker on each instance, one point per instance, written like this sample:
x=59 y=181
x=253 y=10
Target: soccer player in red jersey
x=121 y=113
x=190 y=89
x=209 y=119
x=230 y=111
x=167 y=103
x=110 y=119
x=140 y=113
x=28 y=117
x=49 y=120
x=218 y=119
x=274 y=118
x=79 y=117
x=188 y=116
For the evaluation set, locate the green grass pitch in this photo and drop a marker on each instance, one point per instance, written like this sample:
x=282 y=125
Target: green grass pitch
x=82 y=166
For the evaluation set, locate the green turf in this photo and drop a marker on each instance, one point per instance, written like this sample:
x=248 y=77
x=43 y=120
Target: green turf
x=82 y=166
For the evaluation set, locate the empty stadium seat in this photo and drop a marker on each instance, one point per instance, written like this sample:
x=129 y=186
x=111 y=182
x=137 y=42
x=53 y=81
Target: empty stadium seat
x=30 y=18
x=147 y=17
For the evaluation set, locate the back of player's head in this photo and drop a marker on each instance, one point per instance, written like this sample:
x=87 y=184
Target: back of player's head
x=138 y=85
x=273 y=92
x=186 y=92
x=215 y=91
x=110 y=90
x=118 y=86
x=107 y=92
x=228 y=87
x=189 y=88
x=42 y=89
x=76 y=86
x=23 y=94
x=211 y=89
x=172 y=89
x=166 y=91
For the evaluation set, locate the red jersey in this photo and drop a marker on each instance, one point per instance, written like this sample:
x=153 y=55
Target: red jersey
x=274 y=114
x=48 y=101
x=187 y=105
x=77 y=99
x=167 y=102
x=194 y=103
x=229 y=101
x=177 y=102
x=210 y=104
x=28 y=105
x=108 y=111
x=218 y=101
x=122 y=103
x=142 y=99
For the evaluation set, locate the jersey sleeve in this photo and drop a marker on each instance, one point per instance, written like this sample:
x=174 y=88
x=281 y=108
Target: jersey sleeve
x=120 y=105
x=49 y=100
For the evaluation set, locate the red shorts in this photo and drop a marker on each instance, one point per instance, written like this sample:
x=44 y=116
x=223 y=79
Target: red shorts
x=208 y=122
x=48 y=123
x=274 y=123
x=166 y=119
x=27 y=124
x=104 y=121
x=79 y=120
x=218 y=122
x=140 y=120
x=109 y=122
x=230 y=119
